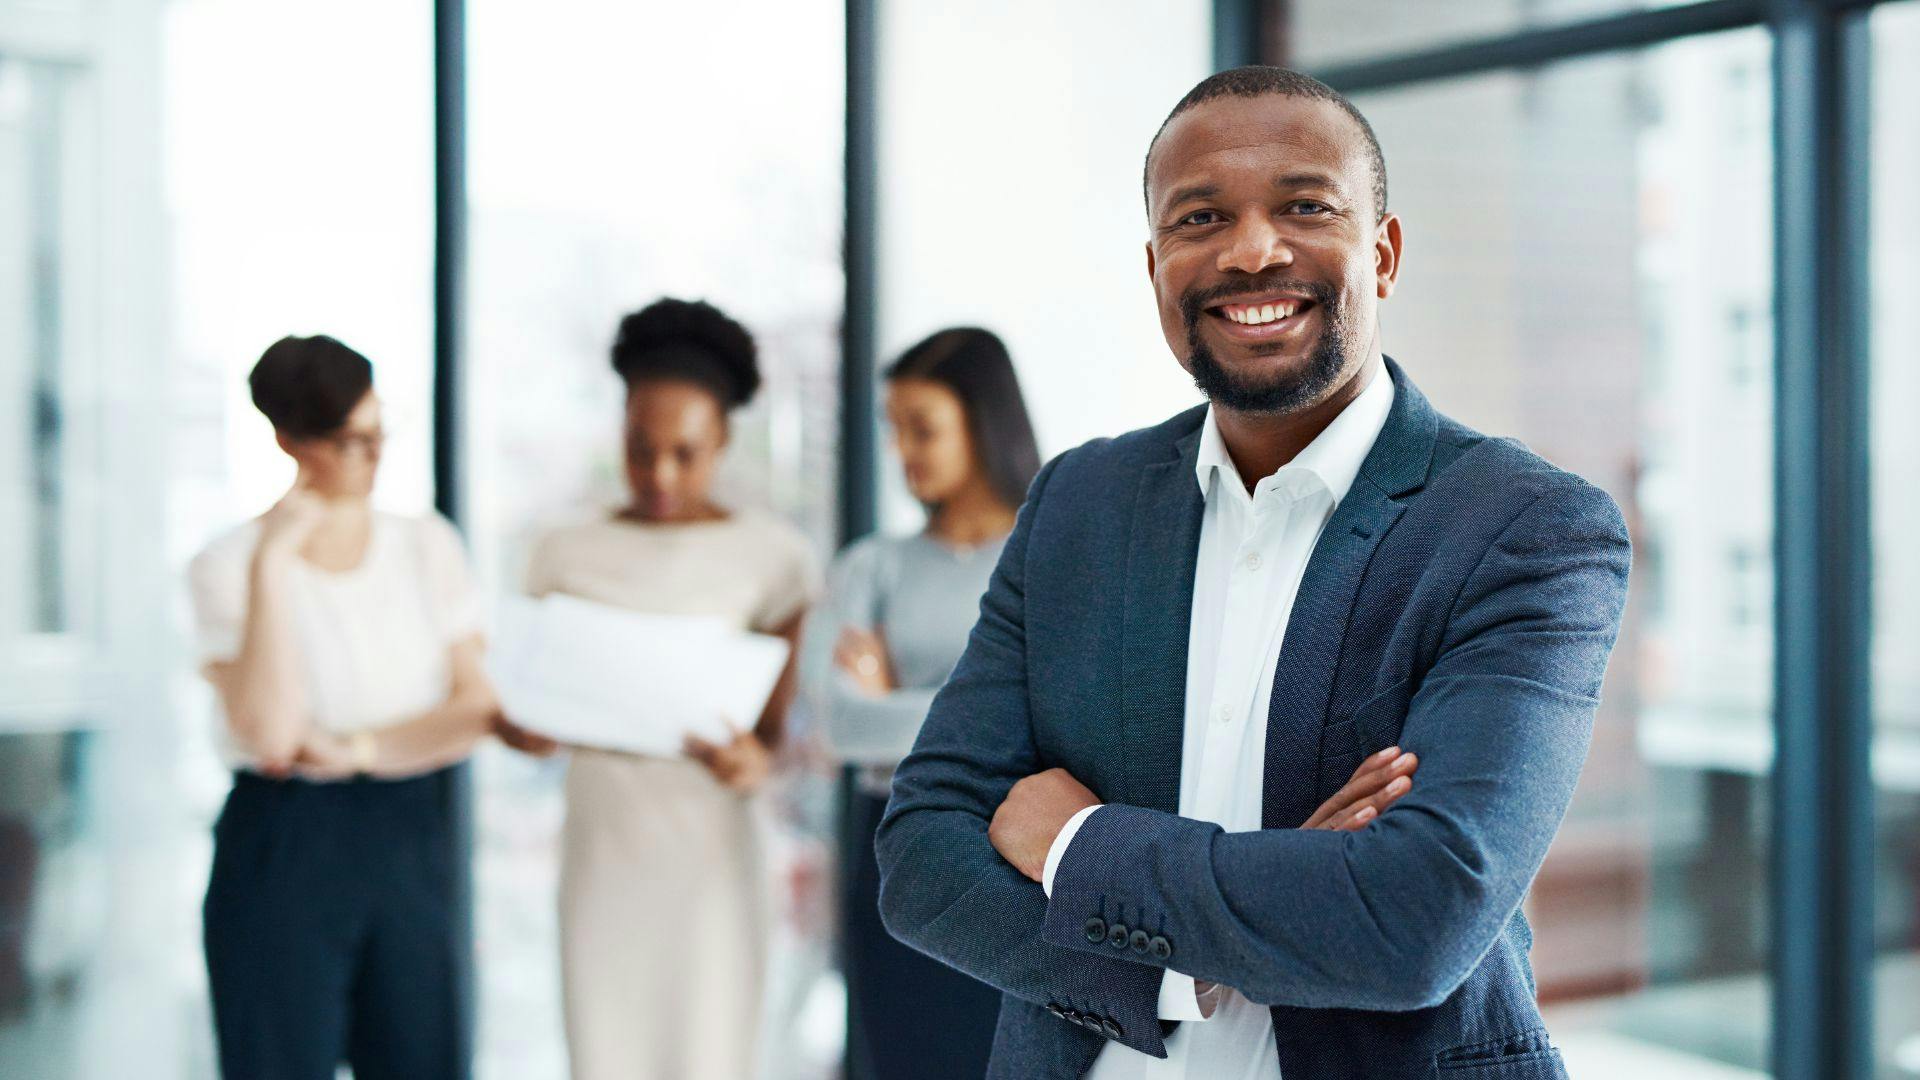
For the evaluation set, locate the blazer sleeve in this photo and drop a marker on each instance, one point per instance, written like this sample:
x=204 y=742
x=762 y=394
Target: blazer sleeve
x=1396 y=916
x=943 y=888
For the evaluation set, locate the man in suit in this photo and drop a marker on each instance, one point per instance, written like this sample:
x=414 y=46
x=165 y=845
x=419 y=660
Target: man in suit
x=1197 y=630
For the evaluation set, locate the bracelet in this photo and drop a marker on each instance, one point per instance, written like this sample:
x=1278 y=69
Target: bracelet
x=362 y=751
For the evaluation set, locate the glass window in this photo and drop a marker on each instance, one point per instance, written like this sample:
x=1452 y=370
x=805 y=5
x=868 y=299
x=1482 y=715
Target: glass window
x=52 y=921
x=38 y=527
x=1896 y=573
x=1317 y=33
x=1002 y=206
x=180 y=185
x=301 y=205
x=1588 y=267
x=619 y=153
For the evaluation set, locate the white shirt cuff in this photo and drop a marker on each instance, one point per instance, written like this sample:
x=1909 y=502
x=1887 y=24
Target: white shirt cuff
x=1178 y=998
x=1059 y=847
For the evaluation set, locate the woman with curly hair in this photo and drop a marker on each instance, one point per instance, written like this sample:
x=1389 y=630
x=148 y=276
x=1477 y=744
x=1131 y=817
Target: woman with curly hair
x=662 y=921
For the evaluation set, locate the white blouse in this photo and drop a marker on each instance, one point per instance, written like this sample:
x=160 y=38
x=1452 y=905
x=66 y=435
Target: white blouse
x=374 y=639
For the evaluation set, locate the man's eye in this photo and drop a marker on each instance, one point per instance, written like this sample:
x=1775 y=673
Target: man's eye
x=1201 y=217
x=1308 y=206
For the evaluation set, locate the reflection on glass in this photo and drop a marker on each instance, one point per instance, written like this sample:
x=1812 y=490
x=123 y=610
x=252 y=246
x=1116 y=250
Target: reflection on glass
x=1321 y=32
x=302 y=205
x=1587 y=267
x=49 y=917
x=33 y=540
x=1896 y=573
x=1015 y=204
x=44 y=162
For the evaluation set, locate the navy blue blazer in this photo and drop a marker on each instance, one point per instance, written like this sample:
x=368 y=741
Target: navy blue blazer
x=1461 y=602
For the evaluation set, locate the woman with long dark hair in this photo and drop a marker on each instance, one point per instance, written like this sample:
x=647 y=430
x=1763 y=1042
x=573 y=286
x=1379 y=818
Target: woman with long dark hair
x=894 y=622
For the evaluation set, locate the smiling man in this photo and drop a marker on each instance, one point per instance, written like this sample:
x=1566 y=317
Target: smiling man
x=1198 y=631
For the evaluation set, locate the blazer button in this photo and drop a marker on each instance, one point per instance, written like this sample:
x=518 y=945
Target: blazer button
x=1096 y=930
x=1160 y=947
x=1138 y=942
x=1058 y=1012
x=1117 y=935
x=1111 y=1029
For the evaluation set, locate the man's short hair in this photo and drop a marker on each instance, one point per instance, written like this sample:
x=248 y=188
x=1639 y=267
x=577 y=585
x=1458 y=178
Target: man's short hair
x=1259 y=80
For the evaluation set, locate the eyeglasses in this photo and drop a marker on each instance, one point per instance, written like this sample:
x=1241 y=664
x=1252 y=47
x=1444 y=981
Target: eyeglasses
x=367 y=442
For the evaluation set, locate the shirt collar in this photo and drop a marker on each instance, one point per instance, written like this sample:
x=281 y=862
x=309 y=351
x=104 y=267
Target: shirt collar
x=1334 y=456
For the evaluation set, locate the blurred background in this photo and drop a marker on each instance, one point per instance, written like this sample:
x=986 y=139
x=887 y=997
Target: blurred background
x=1669 y=246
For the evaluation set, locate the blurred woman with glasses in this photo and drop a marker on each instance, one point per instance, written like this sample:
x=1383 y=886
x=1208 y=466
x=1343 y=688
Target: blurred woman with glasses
x=344 y=644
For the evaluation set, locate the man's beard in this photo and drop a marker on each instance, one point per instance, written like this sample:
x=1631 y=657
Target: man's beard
x=1283 y=391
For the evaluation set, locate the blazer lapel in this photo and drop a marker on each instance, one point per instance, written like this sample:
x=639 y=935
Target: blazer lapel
x=1316 y=629
x=1156 y=609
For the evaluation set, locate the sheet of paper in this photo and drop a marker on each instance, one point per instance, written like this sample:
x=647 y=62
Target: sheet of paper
x=594 y=675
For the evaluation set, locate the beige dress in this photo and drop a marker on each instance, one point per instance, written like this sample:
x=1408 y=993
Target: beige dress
x=663 y=917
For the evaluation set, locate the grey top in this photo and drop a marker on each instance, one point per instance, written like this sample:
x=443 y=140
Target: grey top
x=921 y=596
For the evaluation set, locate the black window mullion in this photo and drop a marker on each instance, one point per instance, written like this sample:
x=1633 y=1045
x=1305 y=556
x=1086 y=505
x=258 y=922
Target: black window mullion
x=859 y=437
x=1237 y=37
x=1823 y=724
x=1545 y=45
x=449 y=278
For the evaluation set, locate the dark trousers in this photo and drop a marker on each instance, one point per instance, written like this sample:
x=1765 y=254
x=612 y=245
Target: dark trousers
x=331 y=933
x=909 y=1017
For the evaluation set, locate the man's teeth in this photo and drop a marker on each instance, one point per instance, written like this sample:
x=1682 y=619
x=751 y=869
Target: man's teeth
x=1255 y=315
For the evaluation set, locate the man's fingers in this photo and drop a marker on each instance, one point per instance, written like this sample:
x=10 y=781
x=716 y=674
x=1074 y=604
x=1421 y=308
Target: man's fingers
x=1366 y=778
x=1354 y=820
x=1373 y=793
x=1358 y=815
x=1374 y=773
x=1370 y=780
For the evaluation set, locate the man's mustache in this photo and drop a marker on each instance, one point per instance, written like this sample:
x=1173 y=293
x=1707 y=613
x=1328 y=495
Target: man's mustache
x=1195 y=301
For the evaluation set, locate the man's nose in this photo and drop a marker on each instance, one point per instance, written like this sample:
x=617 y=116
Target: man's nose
x=1253 y=245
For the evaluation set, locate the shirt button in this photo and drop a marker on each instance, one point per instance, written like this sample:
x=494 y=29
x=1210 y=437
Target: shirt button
x=1225 y=715
x=1253 y=561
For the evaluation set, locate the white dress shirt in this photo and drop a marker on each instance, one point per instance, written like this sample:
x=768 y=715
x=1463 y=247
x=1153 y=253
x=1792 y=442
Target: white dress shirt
x=1253 y=553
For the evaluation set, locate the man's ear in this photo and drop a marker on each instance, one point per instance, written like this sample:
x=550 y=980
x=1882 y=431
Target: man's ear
x=1149 y=261
x=1386 y=255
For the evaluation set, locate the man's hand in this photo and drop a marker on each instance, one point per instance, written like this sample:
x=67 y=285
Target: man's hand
x=1375 y=785
x=1032 y=814
x=1378 y=781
